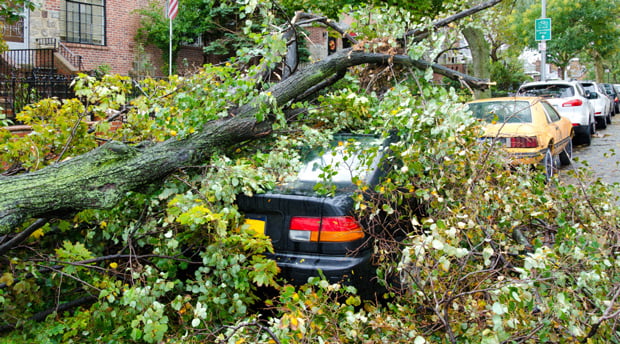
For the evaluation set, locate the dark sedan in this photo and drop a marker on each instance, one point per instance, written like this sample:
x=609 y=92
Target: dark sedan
x=315 y=234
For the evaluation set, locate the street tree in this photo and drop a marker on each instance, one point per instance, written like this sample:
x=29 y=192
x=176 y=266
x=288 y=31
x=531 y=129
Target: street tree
x=132 y=235
x=506 y=70
x=579 y=27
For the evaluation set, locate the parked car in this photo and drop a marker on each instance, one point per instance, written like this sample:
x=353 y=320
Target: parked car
x=601 y=102
x=528 y=128
x=570 y=100
x=313 y=234
x=617 y=89
x=614 y=95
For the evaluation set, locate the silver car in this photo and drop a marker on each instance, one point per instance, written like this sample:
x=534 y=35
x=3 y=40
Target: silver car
x=571 y=100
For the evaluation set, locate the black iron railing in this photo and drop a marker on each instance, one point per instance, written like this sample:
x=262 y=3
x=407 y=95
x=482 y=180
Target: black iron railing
x=21 y=62
x=73 y=58
x=17 y=92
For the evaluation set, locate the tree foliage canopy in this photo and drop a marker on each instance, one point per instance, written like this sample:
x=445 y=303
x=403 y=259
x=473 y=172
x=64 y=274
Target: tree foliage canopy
x=578 y=28
x=496 y=255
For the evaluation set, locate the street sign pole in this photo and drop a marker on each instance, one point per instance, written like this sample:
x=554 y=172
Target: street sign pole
x=543 y=51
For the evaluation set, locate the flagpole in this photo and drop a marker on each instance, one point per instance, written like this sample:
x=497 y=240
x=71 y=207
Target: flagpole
x=170 y=49
x=172 y=10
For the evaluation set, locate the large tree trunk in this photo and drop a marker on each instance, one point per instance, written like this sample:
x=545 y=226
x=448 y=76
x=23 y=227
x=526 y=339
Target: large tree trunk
x=480 y=53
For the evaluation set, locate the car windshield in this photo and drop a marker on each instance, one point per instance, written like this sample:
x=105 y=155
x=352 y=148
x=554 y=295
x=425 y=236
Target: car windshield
x=502 y=111
x=347 y=159
x=548 y=91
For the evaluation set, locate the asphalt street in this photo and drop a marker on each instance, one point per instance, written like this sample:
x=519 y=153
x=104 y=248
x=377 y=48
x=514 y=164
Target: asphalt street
x=602 y=157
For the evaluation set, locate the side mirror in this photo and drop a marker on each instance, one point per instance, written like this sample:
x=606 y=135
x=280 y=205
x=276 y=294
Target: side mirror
x=593 y=95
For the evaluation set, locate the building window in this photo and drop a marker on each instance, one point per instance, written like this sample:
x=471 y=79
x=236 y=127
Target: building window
x=84 y=21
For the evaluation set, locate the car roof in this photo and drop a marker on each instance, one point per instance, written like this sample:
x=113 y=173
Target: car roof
x=550 y=82
x=531 y=100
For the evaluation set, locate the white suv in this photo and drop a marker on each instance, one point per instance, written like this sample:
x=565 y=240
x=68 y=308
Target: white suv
x=570 y=100
x=601 y=103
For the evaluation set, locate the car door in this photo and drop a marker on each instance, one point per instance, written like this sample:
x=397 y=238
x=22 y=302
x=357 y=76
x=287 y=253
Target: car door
x=560 y=132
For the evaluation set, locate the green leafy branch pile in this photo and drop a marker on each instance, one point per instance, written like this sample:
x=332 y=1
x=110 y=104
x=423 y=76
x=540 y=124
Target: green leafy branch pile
x=491 y=254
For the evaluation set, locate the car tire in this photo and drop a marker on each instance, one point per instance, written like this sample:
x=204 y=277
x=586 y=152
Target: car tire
x=609 y=119
x=566 y=156
x=586 y=138
x=601 y=122
x=548 y=164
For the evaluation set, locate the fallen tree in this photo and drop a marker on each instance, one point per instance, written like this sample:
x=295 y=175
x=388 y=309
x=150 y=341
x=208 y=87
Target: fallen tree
x=100 y=178
x=166 y=260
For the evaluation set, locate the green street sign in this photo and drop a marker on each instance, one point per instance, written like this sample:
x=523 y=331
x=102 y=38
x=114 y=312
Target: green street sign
x=543 y=29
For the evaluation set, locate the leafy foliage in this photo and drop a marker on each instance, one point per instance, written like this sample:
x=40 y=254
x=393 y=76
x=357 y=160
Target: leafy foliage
x=333 y=9
x=578 y=27
x=493 y=254
x=224 y=27
x=509 y=75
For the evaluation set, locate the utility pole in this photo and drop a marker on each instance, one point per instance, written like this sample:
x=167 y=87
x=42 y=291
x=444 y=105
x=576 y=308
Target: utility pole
x=543 y=46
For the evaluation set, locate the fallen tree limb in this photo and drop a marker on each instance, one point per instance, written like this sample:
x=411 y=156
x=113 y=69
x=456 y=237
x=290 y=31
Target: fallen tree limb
x=100 y=178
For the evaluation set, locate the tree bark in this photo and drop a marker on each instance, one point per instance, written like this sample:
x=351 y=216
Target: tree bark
x=100 y=178
x=599 y=68
x=480 y=53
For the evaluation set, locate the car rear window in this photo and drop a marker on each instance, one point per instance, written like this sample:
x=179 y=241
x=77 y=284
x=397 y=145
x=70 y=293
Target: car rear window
x=347 y=159
x=547 y=91
x=502 y=111
x=589 y=87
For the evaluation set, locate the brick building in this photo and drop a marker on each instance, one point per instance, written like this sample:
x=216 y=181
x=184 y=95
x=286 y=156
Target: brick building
x=89 y=34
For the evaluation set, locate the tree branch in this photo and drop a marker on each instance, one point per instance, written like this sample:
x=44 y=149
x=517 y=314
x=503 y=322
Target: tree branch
x=100 y=178
x=23 y=235
x=59 y=309
x=419 y=34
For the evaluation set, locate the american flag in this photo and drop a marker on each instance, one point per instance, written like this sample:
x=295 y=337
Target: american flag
x=173 y=8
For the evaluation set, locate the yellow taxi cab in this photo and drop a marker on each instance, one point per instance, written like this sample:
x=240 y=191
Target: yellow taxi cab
x=528 y=128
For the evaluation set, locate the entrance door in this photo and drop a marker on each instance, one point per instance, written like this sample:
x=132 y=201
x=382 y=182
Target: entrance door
x=16 y=35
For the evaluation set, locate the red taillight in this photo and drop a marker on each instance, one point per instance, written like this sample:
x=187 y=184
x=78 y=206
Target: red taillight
x=571 y=103
x=325 y=229
x=523 y=142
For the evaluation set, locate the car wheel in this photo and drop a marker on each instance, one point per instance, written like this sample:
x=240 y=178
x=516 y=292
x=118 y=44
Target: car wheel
x=601 y=122
x=586 y=138
x=566 y=155
x=609 y=119
x=548 y=164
